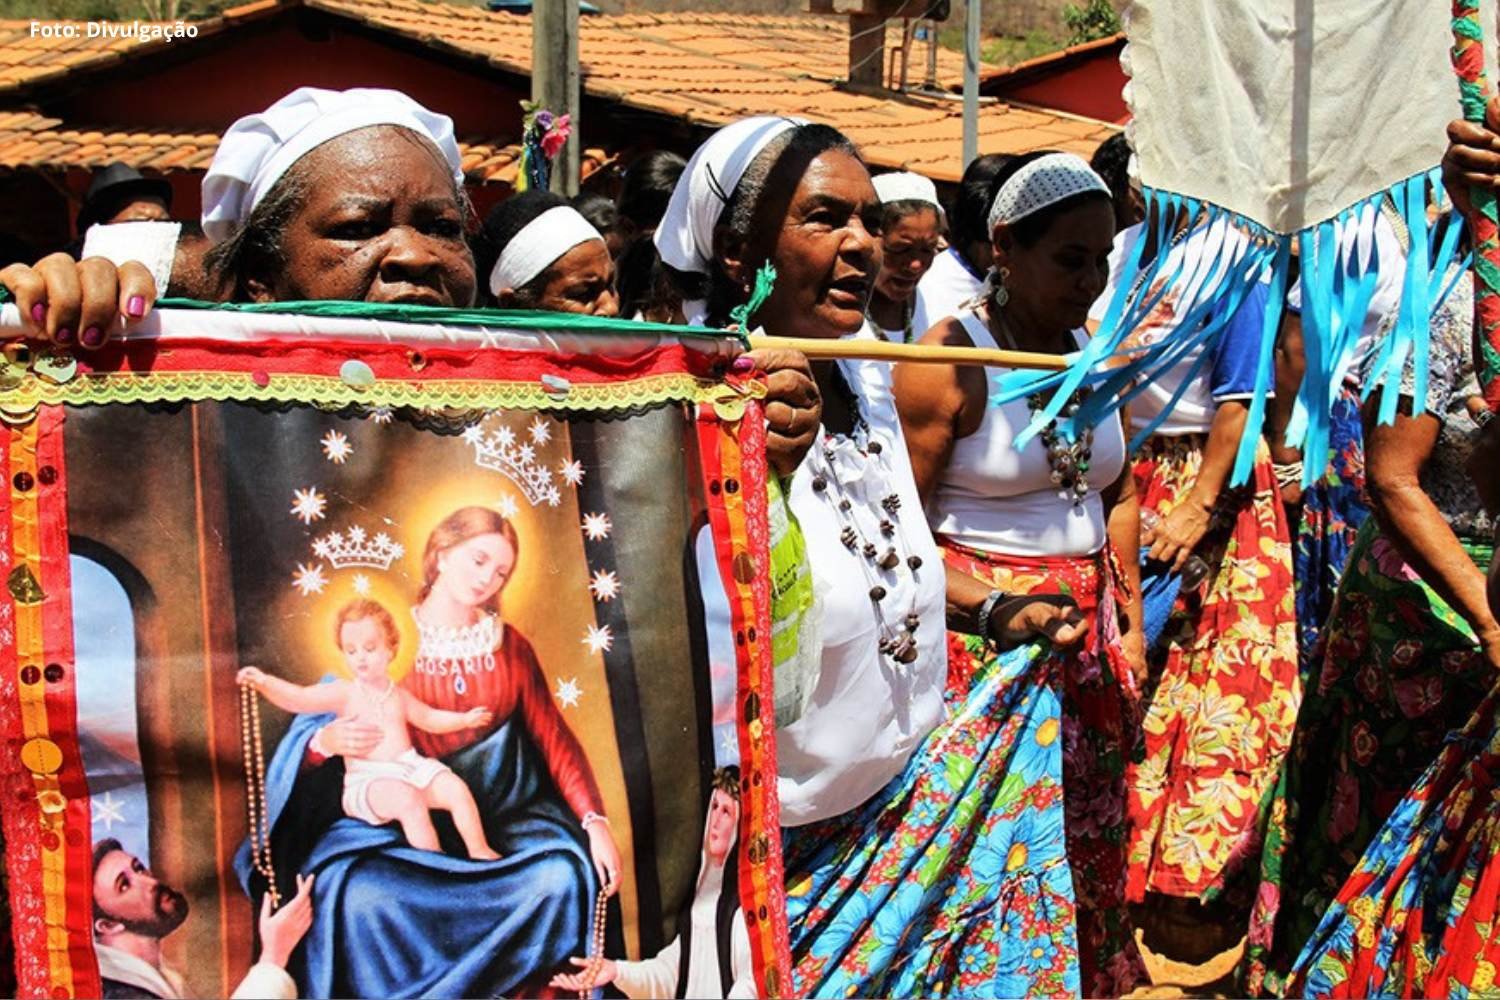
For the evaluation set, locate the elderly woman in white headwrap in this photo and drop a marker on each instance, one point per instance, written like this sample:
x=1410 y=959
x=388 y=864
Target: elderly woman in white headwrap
x=1054 y=517
x=923 y=847
x=911 y=235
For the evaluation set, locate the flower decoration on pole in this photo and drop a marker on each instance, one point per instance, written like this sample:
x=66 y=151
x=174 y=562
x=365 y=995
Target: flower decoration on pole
x=543 y=136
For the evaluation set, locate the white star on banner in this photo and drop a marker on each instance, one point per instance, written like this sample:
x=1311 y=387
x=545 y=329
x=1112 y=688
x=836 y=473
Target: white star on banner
x=571 y=472
x=568 y=692
x=361 y=584
x=596 y=526
x=507 y=506
x=336 y=447
x=605 y=586
x=540 y=432
x=107 y=811
x=308 y=505
x=599 y=639
x=309 y=579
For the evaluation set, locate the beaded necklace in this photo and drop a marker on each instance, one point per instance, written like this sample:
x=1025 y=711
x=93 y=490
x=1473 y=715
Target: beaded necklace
x=1069 y=459
x=881 y=561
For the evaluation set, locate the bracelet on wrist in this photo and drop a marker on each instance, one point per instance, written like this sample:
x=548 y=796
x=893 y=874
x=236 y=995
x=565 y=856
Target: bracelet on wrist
x=984 y=617
x=590 y=818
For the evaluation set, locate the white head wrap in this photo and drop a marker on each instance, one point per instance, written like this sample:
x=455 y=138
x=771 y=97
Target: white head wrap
x=906 y=186
x=1044 y=181
x=258 y=149
x=540 y=242
x=685 y=237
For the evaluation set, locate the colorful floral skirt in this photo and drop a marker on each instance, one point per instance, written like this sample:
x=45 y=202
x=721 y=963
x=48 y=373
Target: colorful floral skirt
x=1419 y=914
x=1333 y=509
x=953 y=880
x=1399 y=669
x=1101 y=719
x=1225 y=691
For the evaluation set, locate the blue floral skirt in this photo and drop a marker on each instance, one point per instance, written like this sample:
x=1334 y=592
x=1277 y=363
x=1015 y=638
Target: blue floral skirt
x=953 y=881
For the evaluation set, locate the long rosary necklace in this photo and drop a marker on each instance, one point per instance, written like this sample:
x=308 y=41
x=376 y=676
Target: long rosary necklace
x=898 y=639
x=252 y=750
x=596 y=953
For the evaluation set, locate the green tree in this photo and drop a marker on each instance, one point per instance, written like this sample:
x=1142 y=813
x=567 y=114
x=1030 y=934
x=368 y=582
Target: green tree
x=1095 y=19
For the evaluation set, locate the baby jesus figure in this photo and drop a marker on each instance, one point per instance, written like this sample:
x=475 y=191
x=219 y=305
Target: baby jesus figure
x=392 y=782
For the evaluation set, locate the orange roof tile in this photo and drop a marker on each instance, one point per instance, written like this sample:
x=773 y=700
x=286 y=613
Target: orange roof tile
x=704 y=68
x=28 y=139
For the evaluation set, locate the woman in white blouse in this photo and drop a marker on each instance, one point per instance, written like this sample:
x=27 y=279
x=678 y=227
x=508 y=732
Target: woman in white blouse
x=885 y=761
x=1047 y=518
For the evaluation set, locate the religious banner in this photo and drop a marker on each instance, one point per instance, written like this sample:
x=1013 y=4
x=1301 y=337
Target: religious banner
x=370 y=653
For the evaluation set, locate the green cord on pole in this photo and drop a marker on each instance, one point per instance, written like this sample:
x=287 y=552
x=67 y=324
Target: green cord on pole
x=765 y=281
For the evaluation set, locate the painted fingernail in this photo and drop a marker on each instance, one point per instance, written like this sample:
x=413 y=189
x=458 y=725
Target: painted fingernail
x=743 y=363
x=136 y=307
x=64 y=335
x=92 y=337
x=39 y=313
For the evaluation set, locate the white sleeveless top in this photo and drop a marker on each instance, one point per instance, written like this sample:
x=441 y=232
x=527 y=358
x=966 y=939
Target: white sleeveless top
x=994 y=498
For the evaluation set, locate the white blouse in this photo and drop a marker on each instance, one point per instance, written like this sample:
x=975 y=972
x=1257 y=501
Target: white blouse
x=994 y=498
x=867 y=713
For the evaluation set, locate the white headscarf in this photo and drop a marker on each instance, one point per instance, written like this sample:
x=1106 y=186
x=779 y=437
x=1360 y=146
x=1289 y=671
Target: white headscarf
x=903 y=185
x=258 y=149
x=685 y=237
x=1044 y=181
x=540 y=242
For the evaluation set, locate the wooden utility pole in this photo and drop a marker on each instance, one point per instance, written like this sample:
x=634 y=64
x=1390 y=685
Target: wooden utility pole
x=867 y=50
x=971 y=81
x=554 y=78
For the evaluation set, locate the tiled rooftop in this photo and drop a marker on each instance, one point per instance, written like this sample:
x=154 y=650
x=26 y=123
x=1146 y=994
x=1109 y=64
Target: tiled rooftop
x=706 y=69
x=28 y=139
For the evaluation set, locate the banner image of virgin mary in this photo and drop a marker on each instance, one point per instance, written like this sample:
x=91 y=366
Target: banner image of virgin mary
x=440 y=923
x=514 y=559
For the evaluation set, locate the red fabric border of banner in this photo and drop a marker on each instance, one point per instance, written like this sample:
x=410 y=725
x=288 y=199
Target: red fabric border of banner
x=735 y=495
x=435 y=362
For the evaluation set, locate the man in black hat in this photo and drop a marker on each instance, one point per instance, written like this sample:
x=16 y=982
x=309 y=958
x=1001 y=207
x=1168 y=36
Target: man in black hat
x=120 y=194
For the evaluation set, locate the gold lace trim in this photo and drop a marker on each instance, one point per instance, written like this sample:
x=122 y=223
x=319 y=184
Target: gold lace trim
x=93 y=389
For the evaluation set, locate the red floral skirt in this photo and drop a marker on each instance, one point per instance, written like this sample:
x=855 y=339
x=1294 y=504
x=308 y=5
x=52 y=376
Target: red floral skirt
x=1100 y=718
x=1226 y=688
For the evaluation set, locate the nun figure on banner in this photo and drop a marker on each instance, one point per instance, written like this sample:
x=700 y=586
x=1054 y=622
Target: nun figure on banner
x=923 y=843
x=1219 y=610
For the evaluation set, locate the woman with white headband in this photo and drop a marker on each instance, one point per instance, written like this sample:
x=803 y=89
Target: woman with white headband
x=911 y=236
x=895 y=887
x=1055 y=517
x=540 y=253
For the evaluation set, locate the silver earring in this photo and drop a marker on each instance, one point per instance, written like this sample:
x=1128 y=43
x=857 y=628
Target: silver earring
x=999 y=294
